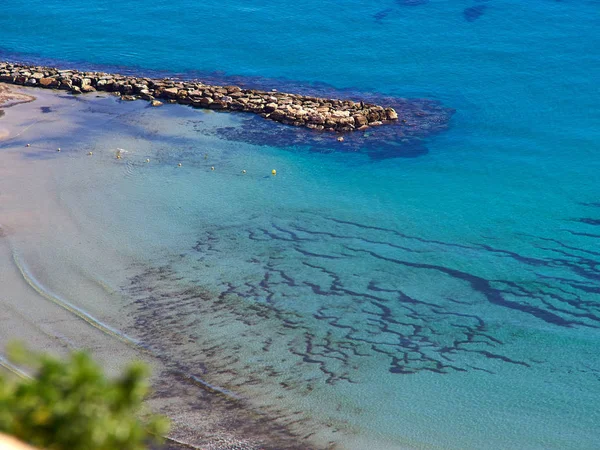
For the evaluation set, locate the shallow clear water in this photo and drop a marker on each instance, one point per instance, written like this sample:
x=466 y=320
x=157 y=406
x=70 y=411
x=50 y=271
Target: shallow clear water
x=450 y=300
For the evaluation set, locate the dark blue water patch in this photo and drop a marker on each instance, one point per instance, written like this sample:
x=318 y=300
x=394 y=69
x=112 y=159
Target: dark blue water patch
x=588 y=221
x=382 y=14
x=592 y=204
x=254 y=130
x=474 y=12
x=480 y=285
x=406 y=138
x=45 y=109
x=578 y=233
x=412 y=2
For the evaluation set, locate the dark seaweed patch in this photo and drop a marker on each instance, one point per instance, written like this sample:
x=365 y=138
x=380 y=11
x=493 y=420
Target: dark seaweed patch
x=419 y=119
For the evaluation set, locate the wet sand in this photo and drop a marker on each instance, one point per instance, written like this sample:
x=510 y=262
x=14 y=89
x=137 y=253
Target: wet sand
x=10 y=97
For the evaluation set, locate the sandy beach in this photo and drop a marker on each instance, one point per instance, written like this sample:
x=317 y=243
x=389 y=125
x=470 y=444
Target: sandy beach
x=10 y=97
x=368 y=225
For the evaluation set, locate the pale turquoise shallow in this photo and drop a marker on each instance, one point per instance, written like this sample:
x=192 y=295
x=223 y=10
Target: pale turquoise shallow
x=450 y=300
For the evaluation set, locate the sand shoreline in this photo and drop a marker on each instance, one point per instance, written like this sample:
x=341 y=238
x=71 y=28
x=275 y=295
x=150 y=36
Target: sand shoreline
x=11 y=97
x=8 y=98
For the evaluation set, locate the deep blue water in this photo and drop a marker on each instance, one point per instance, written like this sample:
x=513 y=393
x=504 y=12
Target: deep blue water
x=447 y=300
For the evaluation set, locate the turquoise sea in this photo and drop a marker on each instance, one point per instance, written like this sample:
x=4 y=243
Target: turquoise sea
x=441 y=292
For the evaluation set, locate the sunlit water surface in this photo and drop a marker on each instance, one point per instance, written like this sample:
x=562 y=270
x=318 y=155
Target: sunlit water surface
x=447 y=300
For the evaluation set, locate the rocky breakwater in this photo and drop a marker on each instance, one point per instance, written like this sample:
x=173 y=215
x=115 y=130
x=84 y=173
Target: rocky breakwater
x=290 y=109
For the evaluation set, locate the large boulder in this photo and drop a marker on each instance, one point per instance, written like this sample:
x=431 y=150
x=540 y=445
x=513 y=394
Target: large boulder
x=218 y=105
x=66 y=84
x=49 y=82
x=340 y=114
x=391 y=114
x=205 y=102
x=360 y=120
x=373 y=116
x=347 y=123
x=126 y=89
x=277 y=115
x=270 y=107
x=171 y=92
x=146 y=95
x=317 y=119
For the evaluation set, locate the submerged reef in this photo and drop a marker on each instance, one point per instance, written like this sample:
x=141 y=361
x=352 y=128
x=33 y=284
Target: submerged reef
x=291 y=109
x=406 y=138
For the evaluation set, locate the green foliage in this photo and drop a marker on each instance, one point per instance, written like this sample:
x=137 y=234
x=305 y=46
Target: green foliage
x=72 y=405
